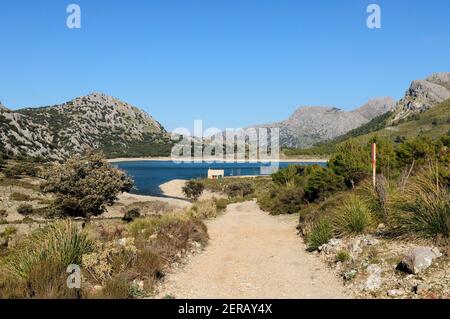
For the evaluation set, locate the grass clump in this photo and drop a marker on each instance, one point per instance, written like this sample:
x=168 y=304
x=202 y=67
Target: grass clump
x=25 y=209
x=425 y=208
x=20 y=197
x=204 y=209
x=343 y=256
x=354 y=217
x=320 y=234
x=221 y=204
x=193 y=189
x=60 y=242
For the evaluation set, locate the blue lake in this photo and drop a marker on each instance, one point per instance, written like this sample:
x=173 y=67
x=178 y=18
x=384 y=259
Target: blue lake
x=148 y=175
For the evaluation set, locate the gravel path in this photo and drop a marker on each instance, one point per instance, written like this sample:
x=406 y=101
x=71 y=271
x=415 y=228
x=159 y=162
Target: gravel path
x=252 y=255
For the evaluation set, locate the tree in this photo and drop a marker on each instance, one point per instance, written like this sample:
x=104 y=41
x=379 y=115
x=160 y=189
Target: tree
x=193 y=189
x=419 y=150
x=83 y=186
x=386 y=156
x=321 y=182
x=351 y=161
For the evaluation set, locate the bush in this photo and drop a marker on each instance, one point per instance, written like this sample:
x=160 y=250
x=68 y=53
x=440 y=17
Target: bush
x=117 y=287
x=132 y=214
x=320 y=234
x=351 y=161
x=282 y=200
x=83 y=186
x=321 y=182
x=221 y=204
x=239 y=189
x=17 y=170
x=193 y=189
x=353 y=217
x=46 y=280
x=20 y=197
x=60 y=242
x=343 y=256
x=204 y=209
x=289 y=201
x=425 y=207
x=25 y=209
x=9 y=231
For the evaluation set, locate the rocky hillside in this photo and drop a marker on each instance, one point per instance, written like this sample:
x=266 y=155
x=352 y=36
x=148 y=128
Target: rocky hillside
x=424 y=94
x=93 y=121
x=313 y=124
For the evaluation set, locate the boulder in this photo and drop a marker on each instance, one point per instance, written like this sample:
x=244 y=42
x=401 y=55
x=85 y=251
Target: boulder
x=131 y=214
x=373 y=281
x=418 y=259
x=421 y=288
x=330 y=247
x=395 y=293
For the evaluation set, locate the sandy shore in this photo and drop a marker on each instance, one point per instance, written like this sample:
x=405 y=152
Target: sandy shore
x=284 y=160
x=174 y=188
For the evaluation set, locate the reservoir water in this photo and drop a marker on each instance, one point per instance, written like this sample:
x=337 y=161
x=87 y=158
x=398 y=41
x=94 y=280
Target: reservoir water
x=148 y=175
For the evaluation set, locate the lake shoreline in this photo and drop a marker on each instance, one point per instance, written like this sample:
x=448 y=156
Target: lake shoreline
x=169 y=159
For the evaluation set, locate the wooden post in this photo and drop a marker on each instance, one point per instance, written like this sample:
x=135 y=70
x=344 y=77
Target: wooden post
x=374 y=164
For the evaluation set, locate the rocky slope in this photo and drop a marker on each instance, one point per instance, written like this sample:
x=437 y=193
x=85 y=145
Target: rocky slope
x=93 y=121
x=312 y=124
x=424 y=94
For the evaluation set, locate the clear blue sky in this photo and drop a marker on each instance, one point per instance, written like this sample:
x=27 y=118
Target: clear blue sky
x=229 y=62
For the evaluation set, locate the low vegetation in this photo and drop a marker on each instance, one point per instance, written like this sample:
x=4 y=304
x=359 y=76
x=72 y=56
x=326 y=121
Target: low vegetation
x=193 y=189
x=83 y=186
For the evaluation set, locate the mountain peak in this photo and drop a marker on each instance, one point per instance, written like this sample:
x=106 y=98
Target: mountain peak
x=424 y=94
x=376 y=107
x=2 y=107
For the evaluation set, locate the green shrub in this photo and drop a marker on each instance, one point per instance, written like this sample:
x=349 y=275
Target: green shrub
x=239 y=189
x=19 y=169
x=60 y=242
x=425 y=207
x=8 y=231
x=343 y=256
x=20 y=197
x=289 y=201
x=84 y=186
x=204 y=209
x=320 y=234
x=132 y=214
x=221 y=204
x=351 y=161
x=25 y=209
x=321 y=182
x=353 y=217
x=193 y=189
x=117 y=287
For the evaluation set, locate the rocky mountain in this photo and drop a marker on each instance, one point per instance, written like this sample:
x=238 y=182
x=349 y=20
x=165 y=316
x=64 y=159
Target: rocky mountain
x=424 y=94
x=2 y=107
x=94 y=121
x=313 y=124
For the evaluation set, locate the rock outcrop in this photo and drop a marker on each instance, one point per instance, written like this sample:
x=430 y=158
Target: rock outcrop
x=312 y=124
x=424 y=94
x=95 y=121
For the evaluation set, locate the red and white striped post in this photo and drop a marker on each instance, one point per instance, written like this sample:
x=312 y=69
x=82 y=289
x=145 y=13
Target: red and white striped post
x=374 y=164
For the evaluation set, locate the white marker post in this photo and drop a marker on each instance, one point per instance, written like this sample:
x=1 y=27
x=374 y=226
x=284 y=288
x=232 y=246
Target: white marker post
x=374 y=164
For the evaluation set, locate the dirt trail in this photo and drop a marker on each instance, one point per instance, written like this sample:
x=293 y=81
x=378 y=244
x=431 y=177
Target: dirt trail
x=252 y=255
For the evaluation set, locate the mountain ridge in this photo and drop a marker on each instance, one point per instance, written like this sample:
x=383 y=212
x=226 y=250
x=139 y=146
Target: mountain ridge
x=309 y=125
x=94 y=121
